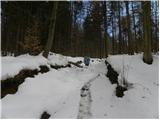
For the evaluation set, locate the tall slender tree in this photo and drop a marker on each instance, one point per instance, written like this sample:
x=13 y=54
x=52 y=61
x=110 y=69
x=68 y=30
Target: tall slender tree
x=119 y=25
x=113 y=25
x=51 y=30
x=134 y=28
x=146 y=9
x=105 y=29
x=130 y=42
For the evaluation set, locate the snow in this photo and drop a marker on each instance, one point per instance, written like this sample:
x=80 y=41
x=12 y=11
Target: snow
x=11 y=66
x=54 y=92
x=57 y=59
x=44 y=92
x=58 y=91
x=140 y=101
x=102 y=92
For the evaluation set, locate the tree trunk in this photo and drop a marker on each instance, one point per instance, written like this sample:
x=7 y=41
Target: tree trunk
x=147 y=56
x=134 y=28
x=105 y=30
x=130 y=49
x=112 y=22
x=51 y=30
x=156 y=29
x=119 y=24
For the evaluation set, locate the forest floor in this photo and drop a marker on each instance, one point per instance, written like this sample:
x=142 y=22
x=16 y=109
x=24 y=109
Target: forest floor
x=75 y=92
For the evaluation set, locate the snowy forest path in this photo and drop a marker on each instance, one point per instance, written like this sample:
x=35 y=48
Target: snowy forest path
x=86 y=99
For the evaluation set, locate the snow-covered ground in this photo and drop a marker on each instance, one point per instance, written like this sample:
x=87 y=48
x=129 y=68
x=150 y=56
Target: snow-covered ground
x=140 y=101
x=11 y=66
x=59 y=91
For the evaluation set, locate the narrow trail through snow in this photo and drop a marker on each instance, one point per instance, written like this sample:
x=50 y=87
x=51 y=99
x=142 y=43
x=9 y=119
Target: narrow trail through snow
x=85 y=101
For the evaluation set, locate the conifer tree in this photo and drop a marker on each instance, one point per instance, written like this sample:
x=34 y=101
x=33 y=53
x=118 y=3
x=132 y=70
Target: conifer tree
x=31 y=42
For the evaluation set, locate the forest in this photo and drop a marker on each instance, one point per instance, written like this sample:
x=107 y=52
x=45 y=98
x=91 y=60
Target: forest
x=79 y=59
x=81 y=28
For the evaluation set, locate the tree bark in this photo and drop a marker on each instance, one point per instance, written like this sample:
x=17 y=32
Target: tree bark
x=134 y=28
x=119 y=24
x=105 y=30
x=51 y=30
x=112 y=22
x=146 y=8
x=156 y=27
x=130 y=49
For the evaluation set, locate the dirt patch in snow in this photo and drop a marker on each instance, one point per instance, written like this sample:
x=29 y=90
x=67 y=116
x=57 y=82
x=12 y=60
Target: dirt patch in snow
x=120 y=91
x=60 y=66
x=45 y=115
x=85 y=102
x=43 y=69
x=111 y=74
x=10 y=85
x=113 y=77
x=77 y=64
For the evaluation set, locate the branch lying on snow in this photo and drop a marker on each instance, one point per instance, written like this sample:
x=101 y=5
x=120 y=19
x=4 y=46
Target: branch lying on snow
x=76 y=63
x=60 y=66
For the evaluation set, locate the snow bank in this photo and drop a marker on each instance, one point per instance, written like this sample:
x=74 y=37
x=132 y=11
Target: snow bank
x=135 y=70
x=11 y=66
x=139 y=101
x=57 y=92
x=57 y=59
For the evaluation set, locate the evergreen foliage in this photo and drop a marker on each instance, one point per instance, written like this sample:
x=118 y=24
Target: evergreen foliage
x=31 y=42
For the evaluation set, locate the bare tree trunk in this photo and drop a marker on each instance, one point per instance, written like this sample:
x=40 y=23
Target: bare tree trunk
x=130 y=49
x=112 y=19
x=105 y=30
x=134 y=28
x=51 y=30
x=157 y=30
x=147 y=56
x=119 y=24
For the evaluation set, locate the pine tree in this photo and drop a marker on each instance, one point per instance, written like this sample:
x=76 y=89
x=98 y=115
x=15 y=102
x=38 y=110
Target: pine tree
x=31 y=43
